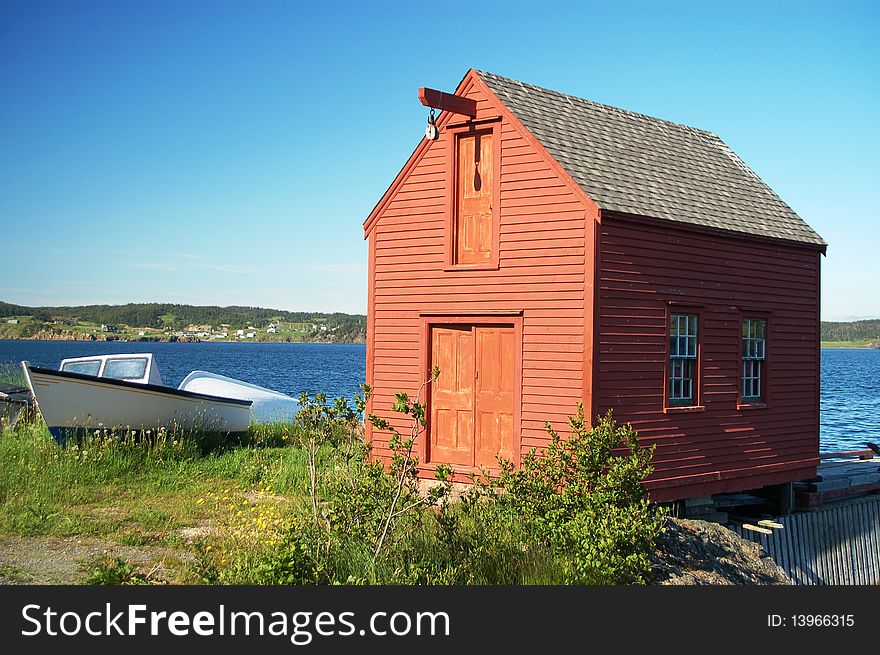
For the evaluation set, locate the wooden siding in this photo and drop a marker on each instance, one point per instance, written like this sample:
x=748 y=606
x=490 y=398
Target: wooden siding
x=545 y=239
x=722 y=446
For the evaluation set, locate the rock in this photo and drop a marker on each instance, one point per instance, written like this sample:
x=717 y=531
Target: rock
x=48 y=334
x=691 y=552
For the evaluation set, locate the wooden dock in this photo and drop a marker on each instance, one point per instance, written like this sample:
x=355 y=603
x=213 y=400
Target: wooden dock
x=839 y=476
x=834 y=536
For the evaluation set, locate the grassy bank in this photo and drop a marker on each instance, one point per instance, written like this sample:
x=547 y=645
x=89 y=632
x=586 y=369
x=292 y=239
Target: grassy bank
x=127 y=492
x=304 y=504
x=861 y=343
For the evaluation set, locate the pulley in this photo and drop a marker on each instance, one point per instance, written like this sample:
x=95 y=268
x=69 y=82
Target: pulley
x=432 y=132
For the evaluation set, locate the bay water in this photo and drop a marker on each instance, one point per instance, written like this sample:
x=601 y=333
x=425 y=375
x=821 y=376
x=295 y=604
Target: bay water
x=850 y=397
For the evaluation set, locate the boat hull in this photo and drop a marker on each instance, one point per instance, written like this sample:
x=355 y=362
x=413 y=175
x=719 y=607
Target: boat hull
x=10 y=411
x=71 y=403
x=268 y=406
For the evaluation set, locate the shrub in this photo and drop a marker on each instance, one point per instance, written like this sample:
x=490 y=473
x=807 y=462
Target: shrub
x=586 y=501
x=110 y=569
x=573 y=513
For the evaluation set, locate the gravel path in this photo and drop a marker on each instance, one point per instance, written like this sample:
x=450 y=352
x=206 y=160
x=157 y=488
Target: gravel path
x=64 y=560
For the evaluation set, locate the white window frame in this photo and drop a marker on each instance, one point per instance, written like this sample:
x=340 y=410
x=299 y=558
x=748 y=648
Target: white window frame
x=754 y=355
x=683 y=334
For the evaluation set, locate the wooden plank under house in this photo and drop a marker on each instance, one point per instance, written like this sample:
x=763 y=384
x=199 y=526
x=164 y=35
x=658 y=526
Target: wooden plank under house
x=546 y=250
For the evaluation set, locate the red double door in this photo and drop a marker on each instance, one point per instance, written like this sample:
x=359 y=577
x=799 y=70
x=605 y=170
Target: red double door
x=472 y=402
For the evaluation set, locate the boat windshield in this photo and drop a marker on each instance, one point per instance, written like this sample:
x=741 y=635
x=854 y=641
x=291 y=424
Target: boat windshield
x=125 y=369
x=90 y=367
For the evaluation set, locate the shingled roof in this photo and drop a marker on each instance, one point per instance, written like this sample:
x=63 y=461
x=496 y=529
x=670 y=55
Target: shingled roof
x=635 y=164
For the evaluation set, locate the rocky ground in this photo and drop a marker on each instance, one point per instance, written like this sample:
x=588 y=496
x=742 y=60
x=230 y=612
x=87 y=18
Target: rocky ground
x=703 y=553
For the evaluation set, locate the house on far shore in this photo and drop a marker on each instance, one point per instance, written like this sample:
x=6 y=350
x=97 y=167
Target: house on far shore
x=546 y=250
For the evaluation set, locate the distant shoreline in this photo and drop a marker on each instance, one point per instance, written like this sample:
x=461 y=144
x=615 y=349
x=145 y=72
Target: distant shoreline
x=186 y=340
x=830 y=345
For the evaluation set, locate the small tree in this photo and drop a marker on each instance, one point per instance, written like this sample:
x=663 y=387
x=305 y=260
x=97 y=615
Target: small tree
x=587 y=502
x=404 y=462
x=314 y=430
x=318 y=424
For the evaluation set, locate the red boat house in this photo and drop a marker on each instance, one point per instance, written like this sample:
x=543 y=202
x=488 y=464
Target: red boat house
x=547 y=250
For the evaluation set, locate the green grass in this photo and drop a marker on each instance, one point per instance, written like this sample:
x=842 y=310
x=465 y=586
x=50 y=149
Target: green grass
x=14 y=575
x=137 y=494
x=862 y=343
x=241 y=513
x=122 y=489
x=12 y=374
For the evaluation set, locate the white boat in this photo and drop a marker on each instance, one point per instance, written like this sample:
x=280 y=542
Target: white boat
x=120 y=392
x=267 y=405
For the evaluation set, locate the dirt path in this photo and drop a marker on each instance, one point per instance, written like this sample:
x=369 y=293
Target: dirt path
x=64 y=560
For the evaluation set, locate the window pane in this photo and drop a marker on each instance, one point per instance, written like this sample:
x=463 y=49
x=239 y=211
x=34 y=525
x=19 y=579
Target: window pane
x=85 y=368
x=125 y=369
x=682 y=354
x=751 y=379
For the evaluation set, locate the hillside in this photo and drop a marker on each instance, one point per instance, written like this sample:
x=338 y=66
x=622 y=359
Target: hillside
x=160 y=320
x=854 y=331
x=155 y=321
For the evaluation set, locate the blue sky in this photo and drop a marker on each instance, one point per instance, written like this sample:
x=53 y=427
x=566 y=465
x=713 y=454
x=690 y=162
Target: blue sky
x=228 y=152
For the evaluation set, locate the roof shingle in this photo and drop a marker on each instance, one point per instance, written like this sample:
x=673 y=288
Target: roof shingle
x=635 y=164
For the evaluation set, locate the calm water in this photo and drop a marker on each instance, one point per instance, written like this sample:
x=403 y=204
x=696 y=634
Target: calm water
x=850 y=378
x=291 y=368
x=850 y=399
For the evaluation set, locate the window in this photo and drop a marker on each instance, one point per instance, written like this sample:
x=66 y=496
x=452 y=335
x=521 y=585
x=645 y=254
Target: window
x=754 y=354
x=682 y=358
x=473 y=197
x=125 y=369
x=90 y=367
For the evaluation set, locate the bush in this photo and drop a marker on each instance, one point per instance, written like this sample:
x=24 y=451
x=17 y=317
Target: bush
x=110 y=569
x=586 y=502
x=574 y=513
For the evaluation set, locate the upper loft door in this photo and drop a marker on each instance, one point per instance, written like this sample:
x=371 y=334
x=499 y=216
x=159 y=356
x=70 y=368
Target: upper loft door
x=474 y=198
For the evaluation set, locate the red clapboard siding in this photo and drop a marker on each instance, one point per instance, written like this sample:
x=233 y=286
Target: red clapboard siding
x=642 y=268
x=544 y=243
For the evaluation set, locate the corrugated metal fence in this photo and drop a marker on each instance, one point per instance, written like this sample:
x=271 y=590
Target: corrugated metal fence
x=837 y=545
